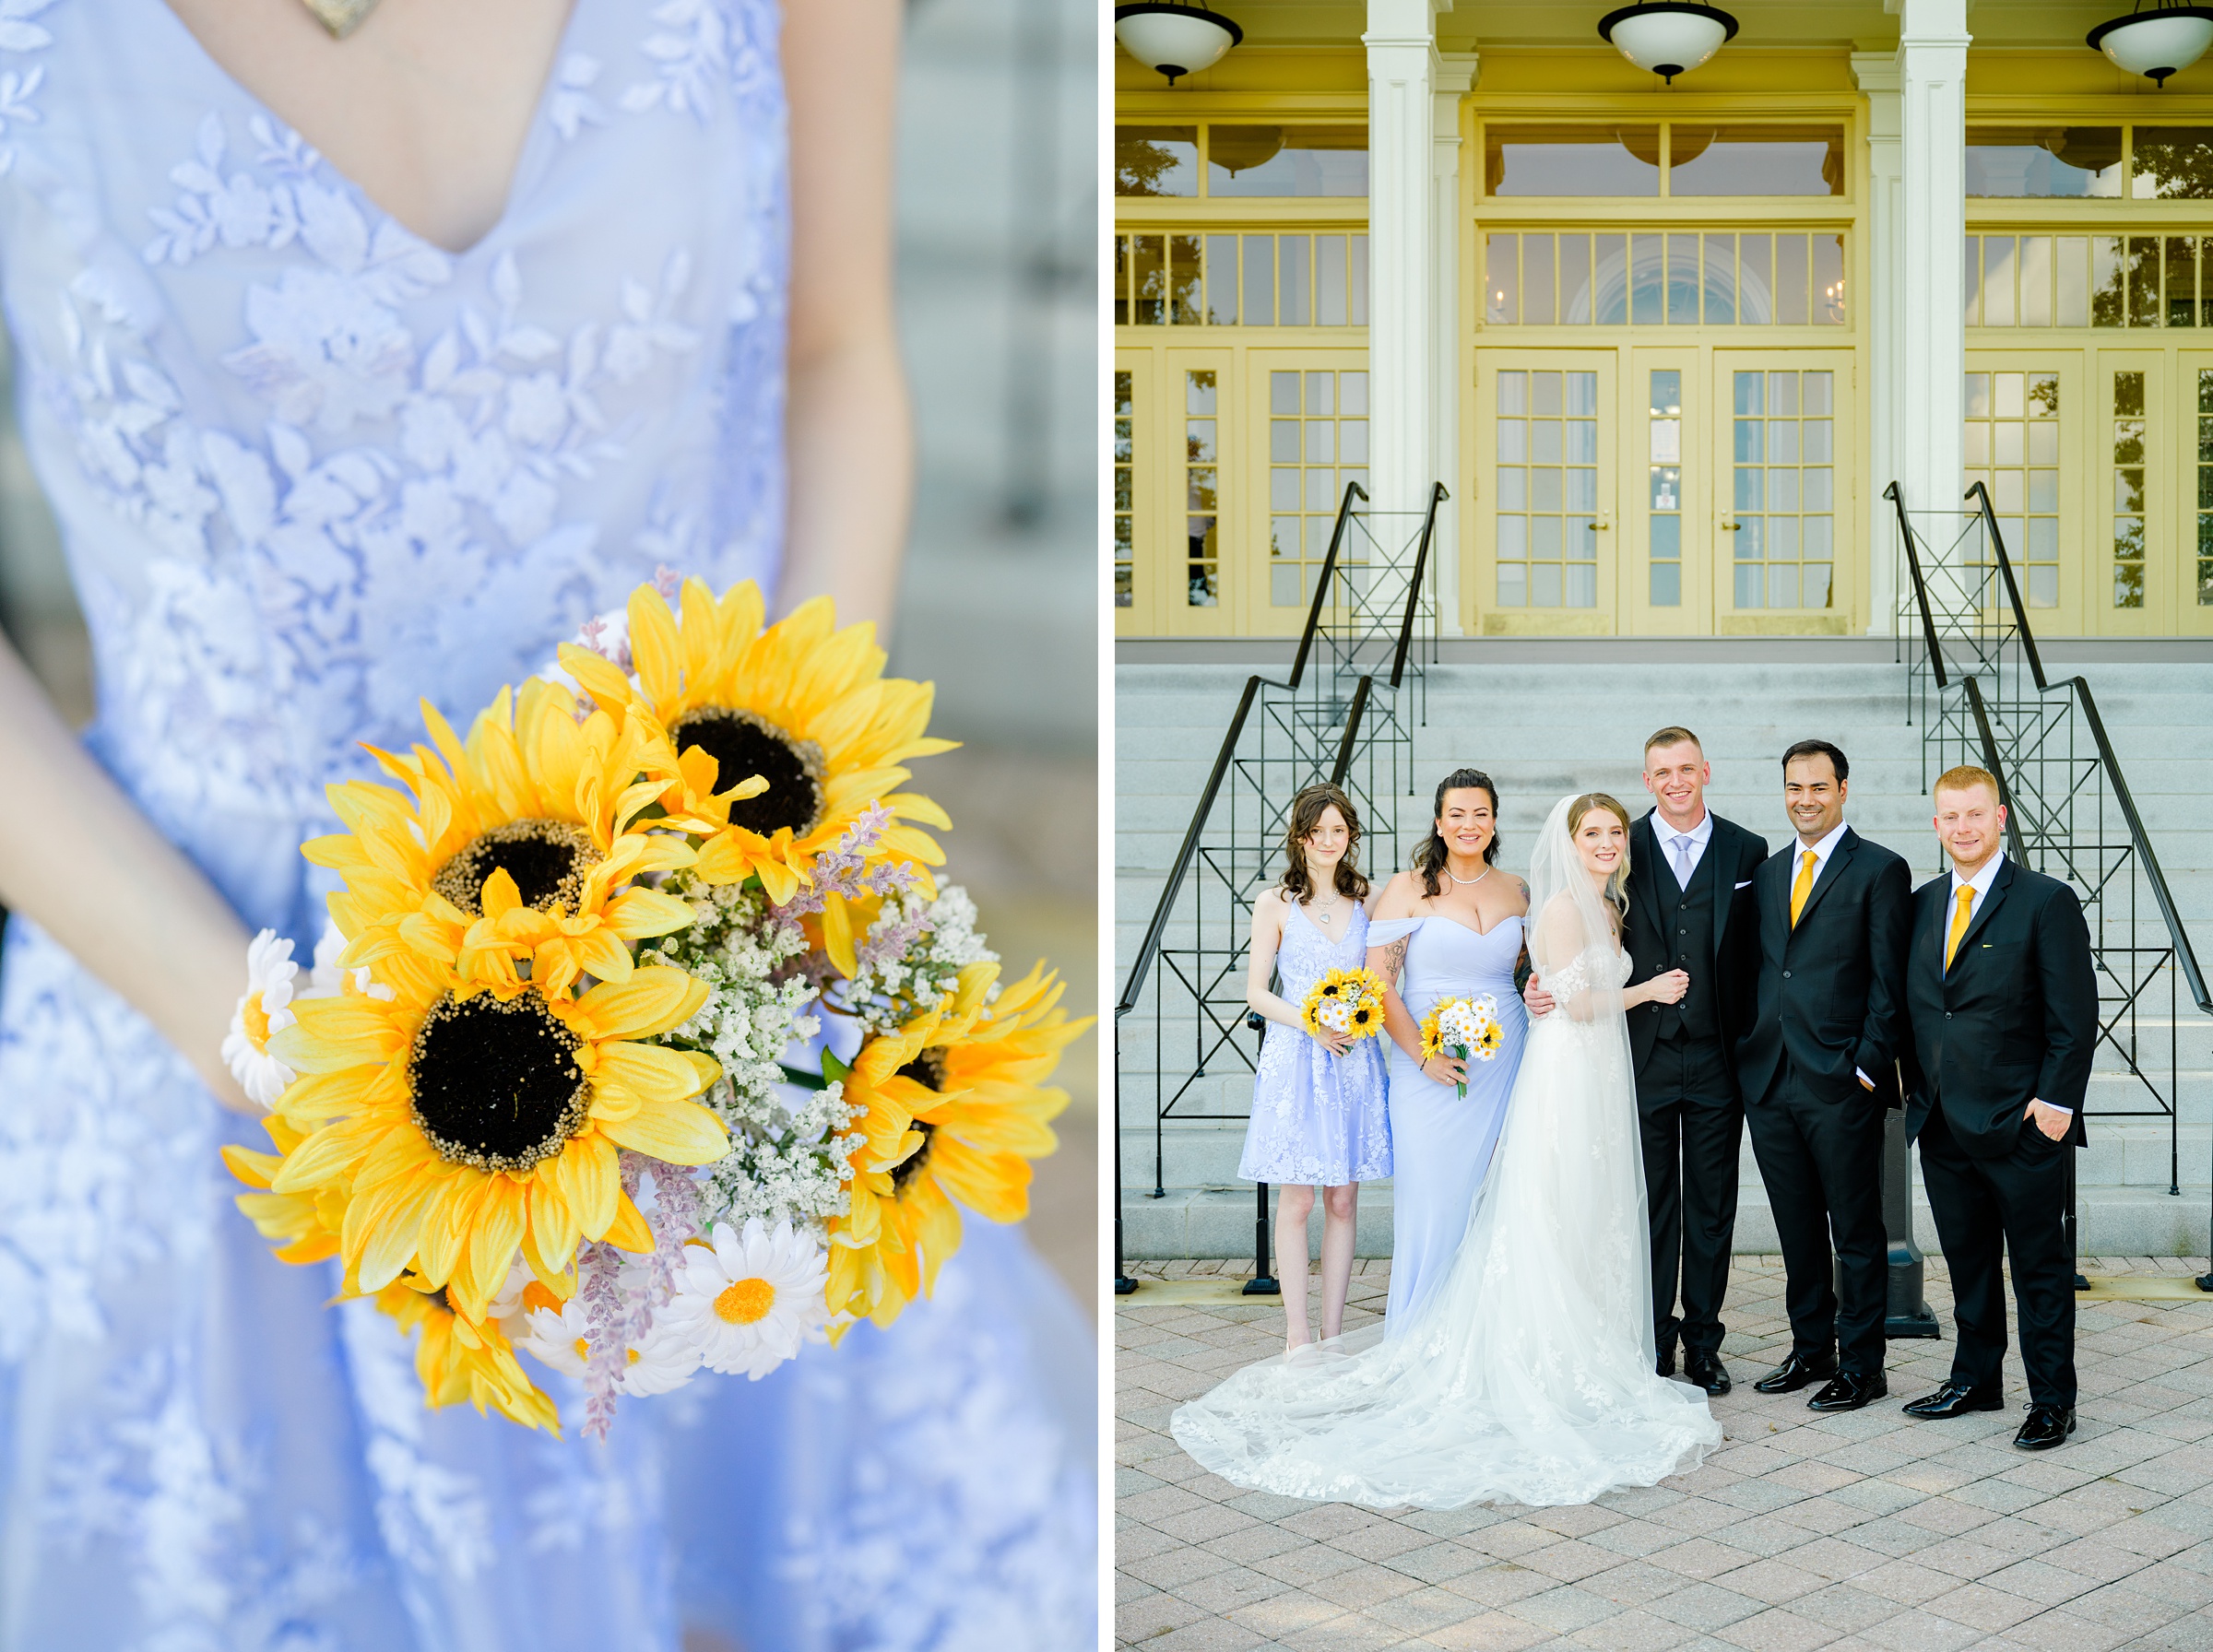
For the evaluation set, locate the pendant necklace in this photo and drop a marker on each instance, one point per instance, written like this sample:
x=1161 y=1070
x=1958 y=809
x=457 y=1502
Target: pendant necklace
x=340 y=16
x=1323 y=916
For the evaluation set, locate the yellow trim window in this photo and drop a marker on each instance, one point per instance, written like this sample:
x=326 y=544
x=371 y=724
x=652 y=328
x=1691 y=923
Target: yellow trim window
x=1675 y=278
x=2011 y=441
x=1241 y=280
x=1224 y=159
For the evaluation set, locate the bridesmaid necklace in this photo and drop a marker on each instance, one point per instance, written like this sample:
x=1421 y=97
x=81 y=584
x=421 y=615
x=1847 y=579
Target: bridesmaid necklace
x=1326 y=915
x=1468 y=882
x=340 y=16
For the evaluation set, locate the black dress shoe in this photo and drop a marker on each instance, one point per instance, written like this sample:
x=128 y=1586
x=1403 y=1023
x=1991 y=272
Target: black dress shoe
x=1665 y=1363
x=1797 y=1371
x=2046 y=1426
x=1704 y=1369
x=1954 y=1400
x=1849 y=1390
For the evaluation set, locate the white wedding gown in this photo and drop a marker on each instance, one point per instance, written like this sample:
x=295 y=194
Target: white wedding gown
x=1528 y=1377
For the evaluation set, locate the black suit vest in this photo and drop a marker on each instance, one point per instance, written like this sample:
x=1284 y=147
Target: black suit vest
x=1689 y=914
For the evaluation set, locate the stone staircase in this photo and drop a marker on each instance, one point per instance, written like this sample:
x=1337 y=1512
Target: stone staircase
x=1543 y=727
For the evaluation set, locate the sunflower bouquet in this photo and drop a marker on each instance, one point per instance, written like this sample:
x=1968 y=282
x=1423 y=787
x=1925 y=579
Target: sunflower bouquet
x=645 y=1040
x=1465 y=1029
x=1349 y=1002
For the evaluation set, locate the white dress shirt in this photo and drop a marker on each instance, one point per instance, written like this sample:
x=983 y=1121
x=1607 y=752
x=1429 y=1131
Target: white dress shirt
x=1986 y=874
x=1683 y=850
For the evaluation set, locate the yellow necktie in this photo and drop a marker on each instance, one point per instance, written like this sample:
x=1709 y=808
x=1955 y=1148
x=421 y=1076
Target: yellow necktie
x=1804 y=886
x=1966 y=905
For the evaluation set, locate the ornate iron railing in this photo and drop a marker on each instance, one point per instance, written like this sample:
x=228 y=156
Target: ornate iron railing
x=1347 y=711
x=1981 y=694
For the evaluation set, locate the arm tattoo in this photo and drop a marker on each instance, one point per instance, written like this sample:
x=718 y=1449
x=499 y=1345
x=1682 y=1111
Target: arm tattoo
x=1394 y=955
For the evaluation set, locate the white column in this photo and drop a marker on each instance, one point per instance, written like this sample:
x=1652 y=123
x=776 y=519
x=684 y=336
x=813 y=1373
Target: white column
x=1931 y=75
x=1401 y=252
x=1447 y=329
x=1877 y=74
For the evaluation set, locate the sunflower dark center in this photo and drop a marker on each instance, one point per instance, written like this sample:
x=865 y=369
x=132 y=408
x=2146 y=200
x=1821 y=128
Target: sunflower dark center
x=548 y=859
x=496 y=1085
x=743 y=744
x=927 y=1070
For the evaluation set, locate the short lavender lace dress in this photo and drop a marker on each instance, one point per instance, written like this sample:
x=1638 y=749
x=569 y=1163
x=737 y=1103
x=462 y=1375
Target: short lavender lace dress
x=1319 y=1120
x=307 y=468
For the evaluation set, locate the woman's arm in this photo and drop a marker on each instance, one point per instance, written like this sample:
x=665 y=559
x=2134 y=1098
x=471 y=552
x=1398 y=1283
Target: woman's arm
x=848 y=434
x=1386 y=962
x=1666 y=988
x=78 y=859
x=1259 y=967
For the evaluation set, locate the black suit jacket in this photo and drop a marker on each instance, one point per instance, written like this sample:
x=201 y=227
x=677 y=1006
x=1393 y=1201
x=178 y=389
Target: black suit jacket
x=1832 y=991
x=2013 y=1019
x=1731 y=856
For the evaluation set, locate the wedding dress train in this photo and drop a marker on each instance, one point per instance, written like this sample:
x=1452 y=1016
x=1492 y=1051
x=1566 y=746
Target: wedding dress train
x=1528 y=1377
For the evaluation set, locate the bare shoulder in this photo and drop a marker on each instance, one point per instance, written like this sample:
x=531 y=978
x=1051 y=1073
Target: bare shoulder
x=1268 y=910
x=1522 y=884
x=1402 y=897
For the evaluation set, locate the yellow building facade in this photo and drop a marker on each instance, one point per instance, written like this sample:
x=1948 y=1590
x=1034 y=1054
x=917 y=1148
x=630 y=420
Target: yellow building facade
x=1665 y=346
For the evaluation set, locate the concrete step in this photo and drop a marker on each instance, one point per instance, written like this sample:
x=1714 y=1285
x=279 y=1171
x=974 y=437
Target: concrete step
x=2110 y=1222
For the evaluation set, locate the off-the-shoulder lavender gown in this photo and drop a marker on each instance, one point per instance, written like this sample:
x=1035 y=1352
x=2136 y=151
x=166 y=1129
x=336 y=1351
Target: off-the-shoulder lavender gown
x=1441 y=1140
x=308 y=467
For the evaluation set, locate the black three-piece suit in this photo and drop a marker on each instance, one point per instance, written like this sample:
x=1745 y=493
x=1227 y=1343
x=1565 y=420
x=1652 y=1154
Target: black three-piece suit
x=1830 y=1000
x=2015 y=1018
x=1687 y=1105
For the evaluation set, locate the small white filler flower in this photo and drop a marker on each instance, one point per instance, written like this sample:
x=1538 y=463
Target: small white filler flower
x=266 y=1009
x=748 y=1301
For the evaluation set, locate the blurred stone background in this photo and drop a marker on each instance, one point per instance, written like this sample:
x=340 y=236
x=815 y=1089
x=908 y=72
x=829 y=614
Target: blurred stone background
x=997 y=287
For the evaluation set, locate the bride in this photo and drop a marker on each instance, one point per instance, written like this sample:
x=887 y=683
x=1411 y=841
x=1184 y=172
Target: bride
x=1527 y=1377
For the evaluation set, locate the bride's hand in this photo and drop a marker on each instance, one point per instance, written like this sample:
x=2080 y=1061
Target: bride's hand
x=1669 y=988
x=1337 y=1043
x=1444 y=1069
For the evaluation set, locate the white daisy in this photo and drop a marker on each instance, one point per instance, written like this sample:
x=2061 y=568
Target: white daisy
x=666 y=1360
x=748 y=1301
x=558 y=1339
x=264 y=1009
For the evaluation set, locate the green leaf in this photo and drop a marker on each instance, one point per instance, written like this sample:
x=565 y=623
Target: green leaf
x=807 y=1080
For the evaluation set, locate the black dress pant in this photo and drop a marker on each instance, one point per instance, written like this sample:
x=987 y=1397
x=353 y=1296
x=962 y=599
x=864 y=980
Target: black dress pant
x=2011 y=1205
x=1692 y=1124
x=1822 y=1162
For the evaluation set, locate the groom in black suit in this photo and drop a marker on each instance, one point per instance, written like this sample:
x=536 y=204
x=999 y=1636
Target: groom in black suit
x=1690 y=899
x=1818 y=1068
x=2003 y=994
x=1689 y=909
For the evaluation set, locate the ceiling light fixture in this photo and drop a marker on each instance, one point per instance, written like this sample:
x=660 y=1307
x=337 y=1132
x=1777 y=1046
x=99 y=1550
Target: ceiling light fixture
x=1173 y=38
x=1668 y=37
x=2155 y=44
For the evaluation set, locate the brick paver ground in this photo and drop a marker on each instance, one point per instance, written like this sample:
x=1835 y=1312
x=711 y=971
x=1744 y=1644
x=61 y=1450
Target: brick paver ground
x=1867 y=1531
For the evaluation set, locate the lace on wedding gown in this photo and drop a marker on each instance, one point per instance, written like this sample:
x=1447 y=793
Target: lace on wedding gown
x=308 y=467
x=1527 y=1377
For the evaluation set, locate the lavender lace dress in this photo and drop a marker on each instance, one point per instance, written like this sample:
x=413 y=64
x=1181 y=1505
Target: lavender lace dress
x=307 y=468
x=1317 y=1120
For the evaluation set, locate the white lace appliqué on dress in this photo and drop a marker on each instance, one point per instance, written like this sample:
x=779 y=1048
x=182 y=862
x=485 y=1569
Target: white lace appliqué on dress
x=308 y=470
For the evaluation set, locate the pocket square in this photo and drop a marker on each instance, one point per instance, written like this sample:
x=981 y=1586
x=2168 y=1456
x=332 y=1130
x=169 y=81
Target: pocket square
x=1745 y=884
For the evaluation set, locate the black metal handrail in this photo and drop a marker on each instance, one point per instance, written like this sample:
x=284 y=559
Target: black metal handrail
x=1180 y=866
x=2185 y=957
x=1413 y=583
x=1920 y=588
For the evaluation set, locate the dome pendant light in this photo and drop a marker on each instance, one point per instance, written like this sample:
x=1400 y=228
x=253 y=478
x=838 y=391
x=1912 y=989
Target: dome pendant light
x=1668 y=37
x=1173 y=38
x=2155 y=44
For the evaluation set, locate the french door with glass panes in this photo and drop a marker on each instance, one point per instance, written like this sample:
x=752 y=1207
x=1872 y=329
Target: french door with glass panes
x=1667 y=518
x=2191 y=582
x=2020 y=437
x=1306 y=435
x=1783 y=522
x=2135 y=542
x=1545 y=558
x=1175 y=440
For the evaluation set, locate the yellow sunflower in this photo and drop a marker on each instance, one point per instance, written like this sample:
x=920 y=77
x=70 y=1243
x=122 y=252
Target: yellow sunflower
x=982 y=1114
x=307 y=1223
x=457 y=1360
x=801 y=704
x=512 y=846
x=880 y=1083
x=463 y=1125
